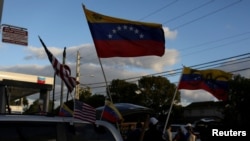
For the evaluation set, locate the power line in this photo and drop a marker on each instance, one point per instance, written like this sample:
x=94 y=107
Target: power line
x=167 y=5
x=206 y=15
x=216 y=47
x=216 y=63
x=193 y=46
x=158 y=10
x=215 y=41
x=190 y=11
x=211 y=13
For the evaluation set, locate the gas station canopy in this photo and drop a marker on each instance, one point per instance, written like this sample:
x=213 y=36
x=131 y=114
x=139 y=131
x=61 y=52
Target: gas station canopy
x=20 y=85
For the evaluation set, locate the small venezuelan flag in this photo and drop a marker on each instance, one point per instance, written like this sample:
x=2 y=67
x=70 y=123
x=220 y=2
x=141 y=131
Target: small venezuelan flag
x=111 y=113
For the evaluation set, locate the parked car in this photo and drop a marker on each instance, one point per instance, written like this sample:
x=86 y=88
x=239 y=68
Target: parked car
x=44 y=128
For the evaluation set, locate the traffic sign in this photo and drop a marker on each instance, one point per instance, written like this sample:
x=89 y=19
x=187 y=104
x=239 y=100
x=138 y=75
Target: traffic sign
x=15 y=35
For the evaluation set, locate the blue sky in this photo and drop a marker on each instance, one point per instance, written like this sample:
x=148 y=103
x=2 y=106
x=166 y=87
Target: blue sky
x=196 y=32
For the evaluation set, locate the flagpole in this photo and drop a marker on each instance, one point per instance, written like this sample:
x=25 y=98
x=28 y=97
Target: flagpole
x=62 y=84
x=105 y=80
x=62 y=70
x=105 y=84
x=53 y=95
x=172 y=103
x=109 y=95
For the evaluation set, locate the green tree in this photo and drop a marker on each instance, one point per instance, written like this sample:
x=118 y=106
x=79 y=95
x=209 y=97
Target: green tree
x=157 y=93
x=84 y=93
x=96 y=100
x=237 y=107
x=122 y=91
x=34 y=107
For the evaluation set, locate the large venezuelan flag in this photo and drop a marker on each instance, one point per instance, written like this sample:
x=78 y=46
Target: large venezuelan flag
x=115 y=37
x=111 y=113
x=211 y=80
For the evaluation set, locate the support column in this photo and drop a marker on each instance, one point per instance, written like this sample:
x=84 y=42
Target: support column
x=2 y=100
x=44 y=100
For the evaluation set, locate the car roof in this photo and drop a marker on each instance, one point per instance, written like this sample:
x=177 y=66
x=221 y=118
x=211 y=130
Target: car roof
x=58 y=119
x=38 y=118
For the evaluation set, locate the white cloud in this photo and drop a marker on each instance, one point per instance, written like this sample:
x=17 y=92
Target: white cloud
x=88 y=56
x=170 y=58
x=169 y=34
x=114 y=68
x=237 y=67
x=39 y=53
x=155 y=63
x=90 y=71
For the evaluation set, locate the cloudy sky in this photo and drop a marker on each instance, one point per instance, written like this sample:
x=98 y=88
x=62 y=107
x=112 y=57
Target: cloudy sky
x=196 y=32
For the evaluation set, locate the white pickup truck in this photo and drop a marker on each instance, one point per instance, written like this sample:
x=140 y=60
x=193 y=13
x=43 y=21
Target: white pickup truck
x=52 y=128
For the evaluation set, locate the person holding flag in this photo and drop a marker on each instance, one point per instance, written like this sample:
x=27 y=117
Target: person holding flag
x=153 y=133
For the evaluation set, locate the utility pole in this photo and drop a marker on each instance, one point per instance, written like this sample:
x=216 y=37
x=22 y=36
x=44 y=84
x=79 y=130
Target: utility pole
x=77 y=75
x=1 y=10
x=62 y=84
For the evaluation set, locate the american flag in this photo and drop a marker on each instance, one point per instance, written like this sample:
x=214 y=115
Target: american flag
x=84 y=112
x=63 y=71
